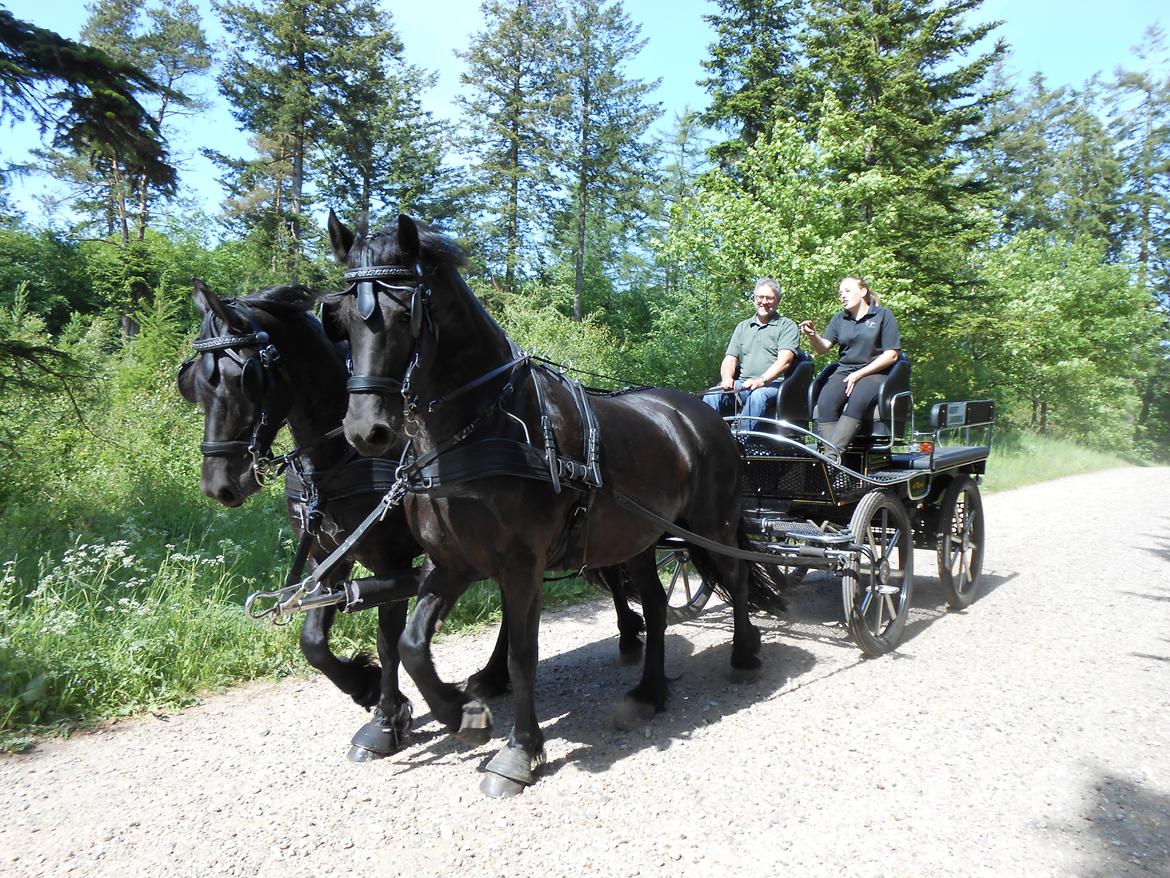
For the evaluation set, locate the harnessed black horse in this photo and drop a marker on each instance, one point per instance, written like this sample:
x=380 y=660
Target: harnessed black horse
x=487 y=499
x=262 y=362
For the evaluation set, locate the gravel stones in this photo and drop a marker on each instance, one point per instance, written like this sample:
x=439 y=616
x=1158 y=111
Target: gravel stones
x=1023 y=736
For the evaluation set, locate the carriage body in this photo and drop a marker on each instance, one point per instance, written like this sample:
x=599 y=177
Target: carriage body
x=861 y=511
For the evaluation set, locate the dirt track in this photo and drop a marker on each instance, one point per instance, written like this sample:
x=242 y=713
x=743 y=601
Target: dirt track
x=1025 y=736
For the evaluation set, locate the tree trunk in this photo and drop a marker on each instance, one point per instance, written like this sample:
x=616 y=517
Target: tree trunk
x=582 y=199
x=513 y=217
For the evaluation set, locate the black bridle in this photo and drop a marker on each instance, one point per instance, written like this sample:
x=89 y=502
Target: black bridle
x=366 y=284
x=255 y=379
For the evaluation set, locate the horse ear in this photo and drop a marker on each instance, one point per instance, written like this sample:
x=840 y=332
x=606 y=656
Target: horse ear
x=407 y=239
x=340 y=237
x=205 y=300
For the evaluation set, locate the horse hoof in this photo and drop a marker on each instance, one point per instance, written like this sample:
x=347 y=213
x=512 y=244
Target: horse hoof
x=630 y=714
x=630 y=653
x=375 y=740
x=509 y=772
x=475 y=727
x=744 y=675
x=499 y=787
x=361 y=754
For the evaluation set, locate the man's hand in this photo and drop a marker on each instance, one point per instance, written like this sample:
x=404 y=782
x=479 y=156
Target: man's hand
x=727 y=384
x=752 y=384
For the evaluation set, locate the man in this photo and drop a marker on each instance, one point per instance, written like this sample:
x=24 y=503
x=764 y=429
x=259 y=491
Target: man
x=759 y=353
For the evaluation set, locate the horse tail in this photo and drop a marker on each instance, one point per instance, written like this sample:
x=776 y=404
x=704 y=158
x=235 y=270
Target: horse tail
x=766 y=584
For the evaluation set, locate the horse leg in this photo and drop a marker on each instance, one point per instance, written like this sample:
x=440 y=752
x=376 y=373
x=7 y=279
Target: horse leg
x=383 y=734
x=647 y=698
x=358 y=677
x=464 y=716
x=513 y=767
x=745 y=640
x=491 y=681
x=630 y=623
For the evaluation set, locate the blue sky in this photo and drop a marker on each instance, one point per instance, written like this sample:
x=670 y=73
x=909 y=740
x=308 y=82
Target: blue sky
x=1067 y=41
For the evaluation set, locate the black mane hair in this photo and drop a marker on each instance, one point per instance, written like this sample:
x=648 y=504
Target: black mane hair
x=279 y=300
x=435 y=248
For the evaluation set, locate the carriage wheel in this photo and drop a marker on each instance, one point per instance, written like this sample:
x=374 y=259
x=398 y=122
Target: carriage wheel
x=687 y=592
x=960 y=542
x=876 y=585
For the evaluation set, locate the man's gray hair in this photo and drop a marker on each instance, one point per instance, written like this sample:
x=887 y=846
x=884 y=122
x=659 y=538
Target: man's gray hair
x=770 y=283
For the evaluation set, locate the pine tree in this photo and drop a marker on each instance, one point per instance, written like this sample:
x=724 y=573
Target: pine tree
x=913 y=98
x=511 y=107
x=755 y=74
x=380 y=152
x=609 y=163
x=1140 y=111
x=88 y=99
x=170 y=45
x=279 y=69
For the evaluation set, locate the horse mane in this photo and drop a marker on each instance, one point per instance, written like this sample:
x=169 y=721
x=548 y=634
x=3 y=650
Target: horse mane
x=281 y=300
x=435 y=248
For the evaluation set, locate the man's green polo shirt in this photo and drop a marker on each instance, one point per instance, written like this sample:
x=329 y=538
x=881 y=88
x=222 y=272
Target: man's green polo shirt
x=757 y=345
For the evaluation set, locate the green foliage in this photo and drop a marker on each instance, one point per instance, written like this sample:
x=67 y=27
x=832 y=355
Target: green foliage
x=1064 y=338
x=87 y=98
x=52 y=270
x=513 y=101
x=101 y=632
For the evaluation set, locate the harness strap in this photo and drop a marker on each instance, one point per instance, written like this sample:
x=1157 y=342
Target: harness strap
x=478 y=382
x=225 y=448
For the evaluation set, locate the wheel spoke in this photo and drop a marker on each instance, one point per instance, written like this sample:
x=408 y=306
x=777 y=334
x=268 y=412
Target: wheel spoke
x=889 y=601
x=686 y=577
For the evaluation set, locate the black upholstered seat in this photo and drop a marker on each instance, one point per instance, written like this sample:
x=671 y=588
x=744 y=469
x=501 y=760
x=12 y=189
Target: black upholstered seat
x=886 y=419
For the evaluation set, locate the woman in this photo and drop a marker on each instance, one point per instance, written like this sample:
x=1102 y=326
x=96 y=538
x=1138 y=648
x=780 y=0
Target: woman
x=868 y=341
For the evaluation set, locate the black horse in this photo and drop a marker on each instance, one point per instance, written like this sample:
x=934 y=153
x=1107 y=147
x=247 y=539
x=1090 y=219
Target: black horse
x=505 y=474
x=246 y=401
x=300 y=380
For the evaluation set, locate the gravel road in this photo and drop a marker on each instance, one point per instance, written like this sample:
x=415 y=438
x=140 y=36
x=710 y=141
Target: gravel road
x=1026 y=736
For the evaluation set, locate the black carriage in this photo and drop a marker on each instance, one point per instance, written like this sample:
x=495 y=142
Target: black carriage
x=862 y=510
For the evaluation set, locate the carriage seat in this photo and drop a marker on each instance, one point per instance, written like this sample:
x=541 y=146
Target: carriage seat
x=892 y=406
x=792 y=401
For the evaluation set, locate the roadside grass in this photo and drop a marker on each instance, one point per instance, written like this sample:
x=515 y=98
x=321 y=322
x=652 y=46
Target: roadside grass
x=1019 y=459
x=129 y=623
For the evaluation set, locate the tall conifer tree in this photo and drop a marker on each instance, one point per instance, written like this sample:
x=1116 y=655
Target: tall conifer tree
x=754 y=67
x=609 y=163
x=513 y=103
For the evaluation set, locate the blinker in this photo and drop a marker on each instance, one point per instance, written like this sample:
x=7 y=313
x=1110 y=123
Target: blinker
x=252 y=381
x=207 y=363
x=366 y=300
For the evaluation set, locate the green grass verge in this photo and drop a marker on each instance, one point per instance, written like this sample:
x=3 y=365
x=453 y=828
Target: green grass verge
x=101 y=629
x=1019 y=459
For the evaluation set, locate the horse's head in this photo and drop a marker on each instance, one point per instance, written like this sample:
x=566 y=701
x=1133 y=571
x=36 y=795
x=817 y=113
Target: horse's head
x=382 y=313
x=232 y=376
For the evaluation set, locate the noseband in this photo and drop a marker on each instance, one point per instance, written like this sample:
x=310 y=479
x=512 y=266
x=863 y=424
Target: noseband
x=254 y=380
x=365 y=284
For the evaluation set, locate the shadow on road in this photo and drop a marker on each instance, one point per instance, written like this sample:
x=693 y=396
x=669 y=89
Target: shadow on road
x=578 y=689
x=1130 y=824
